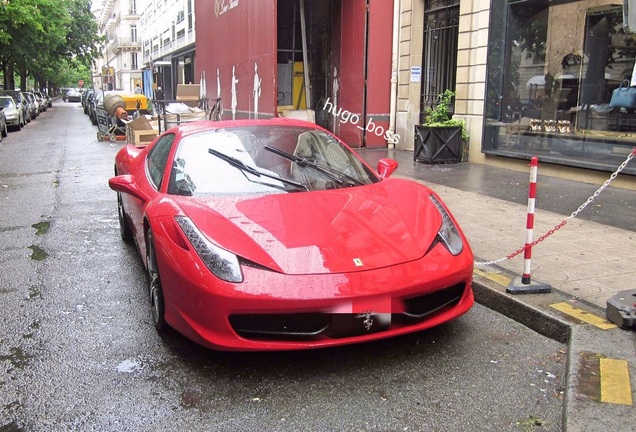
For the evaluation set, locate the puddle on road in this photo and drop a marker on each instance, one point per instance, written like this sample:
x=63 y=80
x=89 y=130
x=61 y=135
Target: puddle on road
x=18 y=358
x=34 y=292
x=35 y=325
x=37 y=253
x=41 y=227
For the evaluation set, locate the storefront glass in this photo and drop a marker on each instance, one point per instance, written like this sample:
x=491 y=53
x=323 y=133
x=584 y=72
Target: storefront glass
x=552 y=69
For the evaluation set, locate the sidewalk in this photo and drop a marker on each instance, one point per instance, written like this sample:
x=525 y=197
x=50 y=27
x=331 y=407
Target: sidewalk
x=589 y=259
x=585 y=262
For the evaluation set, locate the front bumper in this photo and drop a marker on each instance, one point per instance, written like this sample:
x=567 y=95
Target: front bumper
x=13 y=120
x=271 y=311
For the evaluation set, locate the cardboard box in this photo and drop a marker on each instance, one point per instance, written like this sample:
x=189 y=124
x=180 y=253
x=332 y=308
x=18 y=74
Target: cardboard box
x=306 y=115
x=140 y=131
x=189 y=94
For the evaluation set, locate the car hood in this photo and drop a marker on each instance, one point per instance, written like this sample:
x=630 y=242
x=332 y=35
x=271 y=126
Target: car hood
x=336 y=231
x=10 y=112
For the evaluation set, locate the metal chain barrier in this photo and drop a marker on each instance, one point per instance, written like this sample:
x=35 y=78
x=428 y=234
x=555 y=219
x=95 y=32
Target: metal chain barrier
x=566 y=220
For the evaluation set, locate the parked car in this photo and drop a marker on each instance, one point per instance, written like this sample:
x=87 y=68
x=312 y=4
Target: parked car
x=14 y=116
x=44 y=104
x=34 y=111
x=3 y=124
x=92 y=107
x=20 y=101
x=47 y=97
x=275 y=235
x=73 y=96
x=85 y=97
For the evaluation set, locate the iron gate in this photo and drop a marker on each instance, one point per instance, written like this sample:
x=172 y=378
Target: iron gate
x=439 y=57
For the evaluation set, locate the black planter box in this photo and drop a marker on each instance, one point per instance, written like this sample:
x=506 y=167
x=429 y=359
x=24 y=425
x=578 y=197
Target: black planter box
x=440 y=144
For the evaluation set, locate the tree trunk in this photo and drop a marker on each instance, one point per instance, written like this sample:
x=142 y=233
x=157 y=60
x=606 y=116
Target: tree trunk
x=9 y=82
x=23 y=78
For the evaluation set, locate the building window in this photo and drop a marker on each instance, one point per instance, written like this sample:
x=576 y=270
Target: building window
x=190 y=18
x=552 y=68
x=134 y=65
x=133 y=33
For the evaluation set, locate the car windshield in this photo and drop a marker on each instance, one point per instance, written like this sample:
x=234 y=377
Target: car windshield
x=264 y=159
x=6 y=102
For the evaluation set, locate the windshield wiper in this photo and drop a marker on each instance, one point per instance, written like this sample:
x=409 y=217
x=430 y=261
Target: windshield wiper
x=236 y=163
x=332 y=173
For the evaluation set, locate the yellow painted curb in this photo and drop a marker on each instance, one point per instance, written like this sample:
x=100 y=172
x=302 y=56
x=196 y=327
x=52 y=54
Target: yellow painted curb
x=615 y=384
x=583 y=315
x=495 y=277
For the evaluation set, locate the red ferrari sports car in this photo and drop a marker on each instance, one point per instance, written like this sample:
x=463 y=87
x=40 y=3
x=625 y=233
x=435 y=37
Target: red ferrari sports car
x=275 y=235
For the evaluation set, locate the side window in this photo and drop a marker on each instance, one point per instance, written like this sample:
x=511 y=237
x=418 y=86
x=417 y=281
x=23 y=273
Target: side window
x=158 y=158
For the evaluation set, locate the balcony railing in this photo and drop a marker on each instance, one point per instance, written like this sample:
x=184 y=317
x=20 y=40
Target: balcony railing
x=124 y=42
x=178 y=43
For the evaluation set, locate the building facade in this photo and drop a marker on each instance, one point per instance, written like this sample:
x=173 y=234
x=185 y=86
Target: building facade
x=169 y=37
x=329 y=60
x=119 y=67
x=532 y=78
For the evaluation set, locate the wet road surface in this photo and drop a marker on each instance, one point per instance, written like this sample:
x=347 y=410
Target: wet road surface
x=78 y=351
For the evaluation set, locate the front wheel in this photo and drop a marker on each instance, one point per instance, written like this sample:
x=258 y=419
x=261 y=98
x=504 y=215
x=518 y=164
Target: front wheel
x=157 y=304
x=124 y=228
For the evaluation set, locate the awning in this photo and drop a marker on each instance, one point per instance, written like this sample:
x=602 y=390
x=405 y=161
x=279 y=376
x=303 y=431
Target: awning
x=537 y=80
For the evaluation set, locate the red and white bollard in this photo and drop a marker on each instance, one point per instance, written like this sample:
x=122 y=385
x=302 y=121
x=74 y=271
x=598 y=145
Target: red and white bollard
x=524 y=285
x=532 y=196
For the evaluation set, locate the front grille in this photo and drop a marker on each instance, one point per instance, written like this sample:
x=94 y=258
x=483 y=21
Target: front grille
x=422 y=306
x=313 y=326
x=280 y=326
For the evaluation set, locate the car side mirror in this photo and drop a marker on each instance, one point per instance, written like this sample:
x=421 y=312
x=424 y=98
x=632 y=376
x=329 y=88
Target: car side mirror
x=386 y=167
x=126 y=184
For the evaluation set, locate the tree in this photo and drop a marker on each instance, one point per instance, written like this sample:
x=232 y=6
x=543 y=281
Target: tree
x=35 y=35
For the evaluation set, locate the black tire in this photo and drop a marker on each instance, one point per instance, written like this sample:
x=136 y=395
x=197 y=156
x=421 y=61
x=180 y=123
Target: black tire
x=157 y=304
x=124 y=228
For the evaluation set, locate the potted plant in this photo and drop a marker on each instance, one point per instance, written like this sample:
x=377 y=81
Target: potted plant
x=440 y=139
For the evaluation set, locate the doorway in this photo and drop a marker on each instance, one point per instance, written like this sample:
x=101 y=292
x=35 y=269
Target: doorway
x=304 y=40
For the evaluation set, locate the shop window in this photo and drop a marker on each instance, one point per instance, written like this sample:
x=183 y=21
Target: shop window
x=552 y=68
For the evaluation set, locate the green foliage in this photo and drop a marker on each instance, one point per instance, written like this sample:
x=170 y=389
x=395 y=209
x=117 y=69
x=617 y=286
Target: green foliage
x=440 y=115
x=69 y=73
x=41 y=39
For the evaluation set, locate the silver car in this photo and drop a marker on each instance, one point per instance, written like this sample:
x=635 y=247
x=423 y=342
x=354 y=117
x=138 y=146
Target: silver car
x=3 y=125
x=34 y=111
x=13 y=114
x=20 y=101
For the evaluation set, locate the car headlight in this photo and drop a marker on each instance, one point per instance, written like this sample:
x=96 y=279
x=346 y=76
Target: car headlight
x=448 y=233
x=221 y=263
